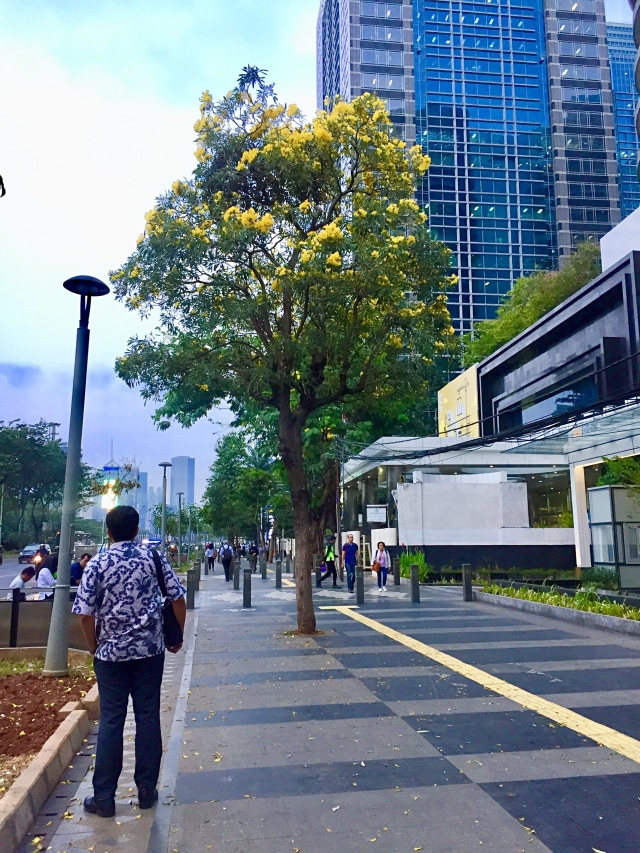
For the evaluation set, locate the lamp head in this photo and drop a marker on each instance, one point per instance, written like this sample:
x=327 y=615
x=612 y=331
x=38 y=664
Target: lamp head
x=86 y=285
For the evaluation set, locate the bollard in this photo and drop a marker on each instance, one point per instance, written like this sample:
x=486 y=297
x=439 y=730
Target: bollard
x=415 y=586
x=264 y=568
x=317 y=570
x=205 y=563
x=396 y=572
x=191 y=589
x=246 y=588
x=198 y=568
x=360 y=585
x=467 y=591
x=16 y=598
x=287 y=566
x=278 y=574
x=236 y=573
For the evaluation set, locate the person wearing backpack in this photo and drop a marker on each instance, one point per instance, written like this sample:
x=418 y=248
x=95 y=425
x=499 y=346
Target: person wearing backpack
x=226 y=556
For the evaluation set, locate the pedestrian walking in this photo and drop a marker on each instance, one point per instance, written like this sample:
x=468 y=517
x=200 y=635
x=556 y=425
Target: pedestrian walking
x=210 y=556
x=349 y=560
x=330 y=561
x=254 y=552
x=226 y=556
x=381 y=565
x=120 y=607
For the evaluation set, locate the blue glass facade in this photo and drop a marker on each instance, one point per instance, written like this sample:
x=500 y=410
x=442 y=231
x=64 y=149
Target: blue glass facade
x=489 y=191
x=622 y=55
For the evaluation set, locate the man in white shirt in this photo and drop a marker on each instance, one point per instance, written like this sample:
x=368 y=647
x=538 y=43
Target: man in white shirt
x=20 y=580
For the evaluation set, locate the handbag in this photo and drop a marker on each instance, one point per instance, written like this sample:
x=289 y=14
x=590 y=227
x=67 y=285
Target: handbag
x=375 y=567
x=171 y=629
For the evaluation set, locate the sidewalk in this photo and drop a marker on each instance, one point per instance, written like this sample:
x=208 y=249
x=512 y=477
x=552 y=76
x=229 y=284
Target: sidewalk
x=354 y=740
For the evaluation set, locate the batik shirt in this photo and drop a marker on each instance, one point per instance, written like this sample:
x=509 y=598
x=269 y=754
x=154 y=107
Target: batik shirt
x=120 y=588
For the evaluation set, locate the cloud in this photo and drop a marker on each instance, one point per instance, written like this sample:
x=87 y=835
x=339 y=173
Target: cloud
x=20 y=375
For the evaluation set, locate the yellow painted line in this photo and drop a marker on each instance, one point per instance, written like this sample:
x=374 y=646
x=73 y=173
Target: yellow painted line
x=603 y=735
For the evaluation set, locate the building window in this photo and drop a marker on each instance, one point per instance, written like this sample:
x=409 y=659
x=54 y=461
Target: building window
x=371 y=56
x=579 y=118
x=391 y=34
x=580 y=72
x=380 y=80
x=391 y=11
x=580 y=95
x=576 y=6
x=579 y=49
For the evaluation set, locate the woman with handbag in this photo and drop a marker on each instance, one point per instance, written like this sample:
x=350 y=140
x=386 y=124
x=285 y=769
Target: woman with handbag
x=381 y=565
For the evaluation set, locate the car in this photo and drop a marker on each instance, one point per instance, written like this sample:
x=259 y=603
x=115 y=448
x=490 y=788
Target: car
x=29 y=552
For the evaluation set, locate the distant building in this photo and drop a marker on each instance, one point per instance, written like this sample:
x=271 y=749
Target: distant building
x=143 y=499
x=183 y=470
x=513 y=104
x=622 y=55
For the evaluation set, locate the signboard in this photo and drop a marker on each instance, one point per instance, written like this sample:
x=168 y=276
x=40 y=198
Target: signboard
x=377 y=513
x=458 y=406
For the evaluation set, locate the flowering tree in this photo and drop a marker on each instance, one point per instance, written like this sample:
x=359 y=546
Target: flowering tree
x=293 y=271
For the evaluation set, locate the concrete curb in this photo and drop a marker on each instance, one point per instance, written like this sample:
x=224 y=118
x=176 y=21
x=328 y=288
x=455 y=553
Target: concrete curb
x=27 y=795
x=630 y=627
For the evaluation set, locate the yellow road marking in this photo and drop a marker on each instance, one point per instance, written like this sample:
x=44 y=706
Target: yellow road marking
x=621 y=743
x=285 y=581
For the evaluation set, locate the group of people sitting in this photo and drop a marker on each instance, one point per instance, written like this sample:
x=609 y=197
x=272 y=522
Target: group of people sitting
x=46 y=574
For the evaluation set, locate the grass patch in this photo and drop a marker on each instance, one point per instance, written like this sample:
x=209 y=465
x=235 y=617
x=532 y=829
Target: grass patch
x=586 y=599
x=77 y=668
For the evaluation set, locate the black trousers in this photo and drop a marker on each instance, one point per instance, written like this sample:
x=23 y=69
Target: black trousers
x=141 y=679
x=331 y=571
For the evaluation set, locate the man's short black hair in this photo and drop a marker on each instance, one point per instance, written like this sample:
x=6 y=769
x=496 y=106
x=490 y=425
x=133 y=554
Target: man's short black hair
x=28 y=570
x=86 y=554
x=122 y=523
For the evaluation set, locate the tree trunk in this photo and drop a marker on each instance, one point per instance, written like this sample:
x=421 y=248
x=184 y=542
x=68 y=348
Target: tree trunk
x=291 y=451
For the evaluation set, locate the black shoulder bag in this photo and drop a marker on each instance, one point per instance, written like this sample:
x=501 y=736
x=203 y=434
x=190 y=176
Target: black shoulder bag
x=170 y=626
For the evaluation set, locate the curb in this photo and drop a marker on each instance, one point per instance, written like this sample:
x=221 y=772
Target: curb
x=631 y=627
x=21 y=804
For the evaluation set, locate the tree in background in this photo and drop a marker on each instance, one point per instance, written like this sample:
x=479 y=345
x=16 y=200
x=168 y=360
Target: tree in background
x=32 y=471
x=293 y=272
x=532 y=297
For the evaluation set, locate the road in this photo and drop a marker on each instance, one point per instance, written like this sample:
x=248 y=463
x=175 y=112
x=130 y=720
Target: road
x=9 y=569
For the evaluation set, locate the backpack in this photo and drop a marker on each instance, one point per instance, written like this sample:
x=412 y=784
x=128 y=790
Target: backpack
x=226 y=552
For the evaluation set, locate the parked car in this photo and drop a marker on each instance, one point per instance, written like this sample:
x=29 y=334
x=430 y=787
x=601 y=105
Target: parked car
x=29 y=552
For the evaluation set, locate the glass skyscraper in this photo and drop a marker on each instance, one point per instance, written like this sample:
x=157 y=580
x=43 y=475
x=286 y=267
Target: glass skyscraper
x=512 y=102
x=622 y=55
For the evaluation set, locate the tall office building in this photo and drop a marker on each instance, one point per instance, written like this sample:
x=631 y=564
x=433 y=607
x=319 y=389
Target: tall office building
x=142 y=499
x=182 y=480
x=622 y=55
x=513 y=104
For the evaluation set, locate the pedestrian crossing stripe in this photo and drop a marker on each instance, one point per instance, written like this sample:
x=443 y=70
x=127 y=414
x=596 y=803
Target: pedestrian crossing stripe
x=602 y=735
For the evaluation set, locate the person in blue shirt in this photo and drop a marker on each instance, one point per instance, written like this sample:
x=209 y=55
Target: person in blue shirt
x=77 y=568
x=349 y=560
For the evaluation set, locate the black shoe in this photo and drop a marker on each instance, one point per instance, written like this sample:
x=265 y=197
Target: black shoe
x=104 y=808
x=147 y=799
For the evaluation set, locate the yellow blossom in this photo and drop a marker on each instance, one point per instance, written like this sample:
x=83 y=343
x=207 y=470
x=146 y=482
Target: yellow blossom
x=231 y=213
x=334 y=260
x=360 y=213
x=178 y=187
x=249 y=156
x=305 y=256
x=218 y=196
x=305 y=206
x=329 y=232
x=265 y=223
x=375 y=254
x=393 y=209
x=394 y=340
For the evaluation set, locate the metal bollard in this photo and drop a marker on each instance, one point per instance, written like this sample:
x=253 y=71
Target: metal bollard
x=415 y=585
x=15 y=617
x=278 y=574
x=264 y=568
x=236 y=573
x=205 y=563
x=359 y=585
x=246 y=588
x=396 y=572
x=287 y=566
x=317 y=570
x=467 y=591
x=198 y=568
x=191 y=589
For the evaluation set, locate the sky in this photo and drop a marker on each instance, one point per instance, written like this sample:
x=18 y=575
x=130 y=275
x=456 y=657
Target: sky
x=97 y=107
x=97 y=110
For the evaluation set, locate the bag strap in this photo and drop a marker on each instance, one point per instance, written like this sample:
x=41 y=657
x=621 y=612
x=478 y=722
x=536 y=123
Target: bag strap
x=159 y=573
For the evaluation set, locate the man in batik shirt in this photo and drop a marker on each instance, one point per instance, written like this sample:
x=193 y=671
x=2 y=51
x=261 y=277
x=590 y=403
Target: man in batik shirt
x=120 y=607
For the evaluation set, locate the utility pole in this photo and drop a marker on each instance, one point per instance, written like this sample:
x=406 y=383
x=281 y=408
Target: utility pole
x=180 y=494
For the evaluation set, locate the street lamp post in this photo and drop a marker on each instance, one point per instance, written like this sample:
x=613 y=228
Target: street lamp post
x=163 y=532
x=57 y=657
x=180 y=494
